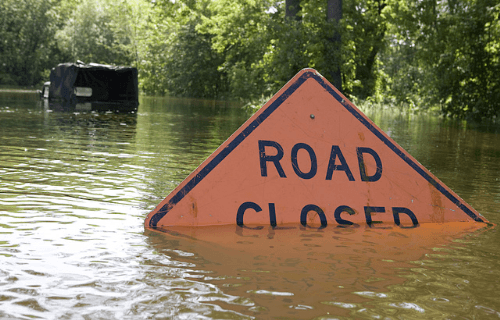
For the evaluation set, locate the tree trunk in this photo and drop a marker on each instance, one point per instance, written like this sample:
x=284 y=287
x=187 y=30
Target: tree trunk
x=334 y=14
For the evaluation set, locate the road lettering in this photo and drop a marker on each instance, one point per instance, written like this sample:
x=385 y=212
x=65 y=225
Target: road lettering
x=341 y=222
x=271 y=154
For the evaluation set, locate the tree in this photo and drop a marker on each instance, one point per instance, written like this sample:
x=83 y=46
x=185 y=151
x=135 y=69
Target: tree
x=98 y=31
x=424 y=52
x=451 y=55
x=468 y=64
x=26 y=32
x=363 y=36
x=240 y=33
x=282 y=38
x=177 y=59
x=334 y=15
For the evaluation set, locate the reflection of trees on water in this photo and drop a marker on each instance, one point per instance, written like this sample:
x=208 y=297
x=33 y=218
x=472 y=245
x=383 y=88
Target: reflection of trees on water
x=178 y=134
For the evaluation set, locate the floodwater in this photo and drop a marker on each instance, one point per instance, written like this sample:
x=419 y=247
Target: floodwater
x=76 y=185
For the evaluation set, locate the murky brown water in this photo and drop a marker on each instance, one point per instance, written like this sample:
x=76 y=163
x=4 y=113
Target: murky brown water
x=75 y=187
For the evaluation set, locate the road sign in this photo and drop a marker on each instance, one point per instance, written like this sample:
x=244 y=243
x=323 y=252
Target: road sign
x=310 y=157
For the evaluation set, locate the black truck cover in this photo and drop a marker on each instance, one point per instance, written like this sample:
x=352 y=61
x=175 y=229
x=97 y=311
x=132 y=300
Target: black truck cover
x=78 y=82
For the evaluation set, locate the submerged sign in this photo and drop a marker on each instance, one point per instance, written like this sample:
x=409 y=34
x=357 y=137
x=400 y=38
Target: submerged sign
x=310 y=157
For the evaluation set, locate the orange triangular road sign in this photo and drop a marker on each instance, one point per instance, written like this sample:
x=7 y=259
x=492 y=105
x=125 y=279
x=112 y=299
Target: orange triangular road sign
x=309 y=156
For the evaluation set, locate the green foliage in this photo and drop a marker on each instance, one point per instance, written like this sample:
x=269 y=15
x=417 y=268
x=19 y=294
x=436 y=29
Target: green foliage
x=98 y=31
x=176 y=58
x=240 y=34
x=422 y=54
x=26 y=31
x=365 y=26
x=446 y=53
x=468 y=67
x=263 y=50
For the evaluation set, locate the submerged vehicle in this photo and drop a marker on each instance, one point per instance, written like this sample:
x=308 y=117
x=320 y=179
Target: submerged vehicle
x=114 y=87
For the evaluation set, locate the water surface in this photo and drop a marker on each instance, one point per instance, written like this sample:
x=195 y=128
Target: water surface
x=75 y=187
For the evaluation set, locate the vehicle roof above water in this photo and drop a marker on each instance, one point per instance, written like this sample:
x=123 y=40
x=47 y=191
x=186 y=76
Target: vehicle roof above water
x=92 y=65
x=108 y=83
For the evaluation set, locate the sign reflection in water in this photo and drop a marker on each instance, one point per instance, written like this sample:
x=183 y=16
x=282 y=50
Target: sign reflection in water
x=75 y=188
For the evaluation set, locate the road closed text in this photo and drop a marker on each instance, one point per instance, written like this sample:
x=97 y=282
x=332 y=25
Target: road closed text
x=271 y=157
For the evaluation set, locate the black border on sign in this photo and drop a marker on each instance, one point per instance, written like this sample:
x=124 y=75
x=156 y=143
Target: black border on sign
x=266 y=113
